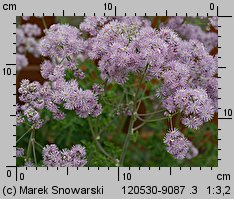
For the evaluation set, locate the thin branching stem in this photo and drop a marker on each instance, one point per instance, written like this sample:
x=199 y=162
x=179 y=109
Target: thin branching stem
x=132 y=119
x=157 y=119
x=24 y=135
x=33 y=147
x=152 y=113
x=39 y=144
x=98 y=143
x=29 y=147
x=139 y=126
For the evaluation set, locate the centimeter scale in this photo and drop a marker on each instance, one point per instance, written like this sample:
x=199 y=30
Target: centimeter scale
x=117 y=182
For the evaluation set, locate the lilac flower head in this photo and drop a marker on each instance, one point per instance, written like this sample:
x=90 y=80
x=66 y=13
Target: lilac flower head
x=19 y=152
x=195 y=105
x=19 y=116
x=211 y=86
x=47 y=69
x=21 y=62
x=190 y=31
x=189 y=83
x=150 y=50
x=32 y=46
x=171 y=39
x=53 y=157
x=31 y=114
x=78 y=73
x=61 y=41
x=84 y=102
x=92 y=25
x=78 y=155
x=20 y=37
x=97 y=89
x=214 y=22
x=176 y=75
x=31 y=30
x=26 y=41
x=30 y=93
x=124 y=47
x=177 y=144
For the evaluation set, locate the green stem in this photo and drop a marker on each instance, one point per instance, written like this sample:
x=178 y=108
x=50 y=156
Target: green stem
x=126 y=142
x=139 y=126
x=132 y=120
x=184 y=20
x=33 y=147
x=98 y=143
x=24 y=135
x=152 y=113
x=29 y=147
x=155 y=120
x=39 y=144
x=171 y=124
x=158 y=119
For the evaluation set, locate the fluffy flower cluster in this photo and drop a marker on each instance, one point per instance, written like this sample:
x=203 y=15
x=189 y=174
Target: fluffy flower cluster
x=68 y=93
x=26 y=42
x=126 y=46
x=38 y=97
x=93 y=25
x=31 y=30
x=61 y=41
x=195 y=106
x=191 y=70
x=21 y=61
x=179 y=146
x=31 y=96
x=84 y=102
x=19 y=152
x=53 y=157
x=190 y=31
x=19 y=115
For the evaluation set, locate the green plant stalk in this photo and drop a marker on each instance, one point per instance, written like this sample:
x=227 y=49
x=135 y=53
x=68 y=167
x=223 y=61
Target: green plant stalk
x=29 y=147
x=39 y=144
x=24 y=134
x=33 y=147
x=152 y=113
x=132 y=120
x=155 y=120
x=98 y=143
